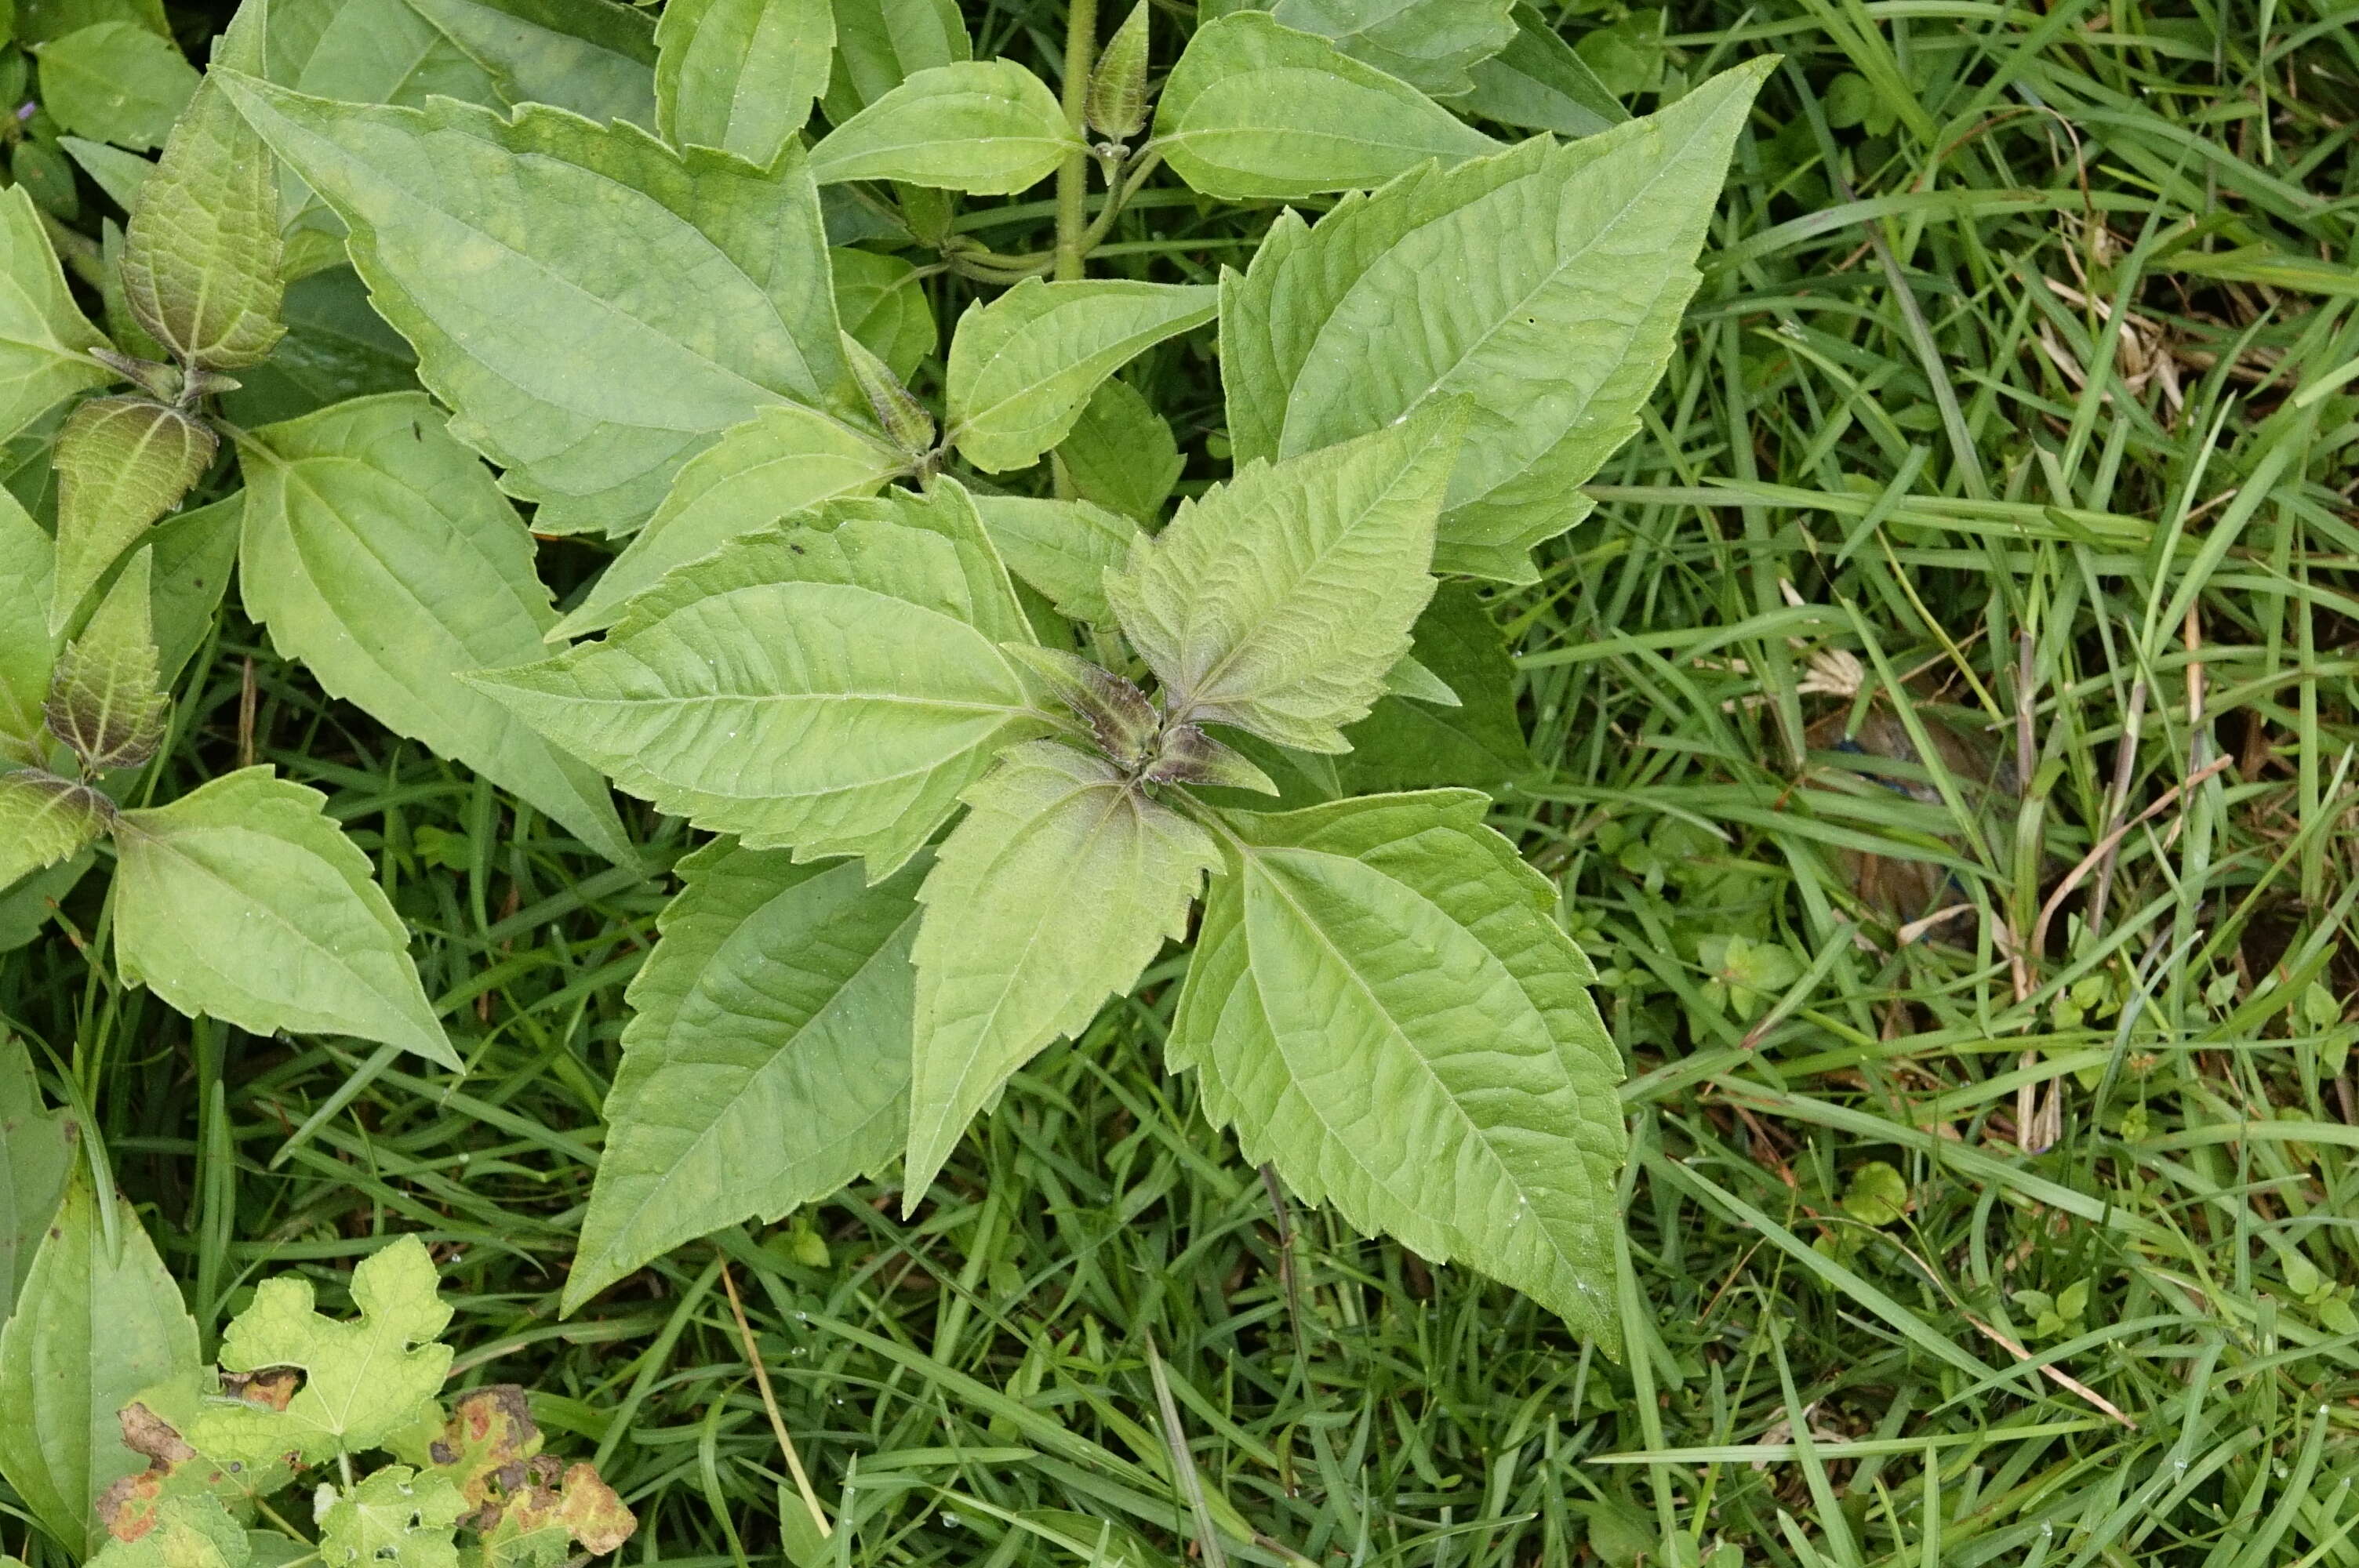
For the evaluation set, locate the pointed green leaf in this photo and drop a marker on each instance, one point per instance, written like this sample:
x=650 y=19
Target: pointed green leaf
x=907 y=426
x=336 y=348
x=1382 y=1006
x=93 y=1328
x=122 y=462
x=1052 y=895
x=1429 y=44
x=1023 y=366
x=379 y=552
x=882 y=301
x=106 y=700
x=1276 y=603
x=195 y=554
x=767 y=1062
x=37 y=1152
x=202 y=254
x=245 y=902
x=393 y=1518
x=571 y=343
x=119 y=174
x=1117 y=106
x=782 y=463
x=39 y=21
x=1570 y=268
x=45 y=819
x=1477 y=741
x=832 y=688
x=1061 y=548
x=28 y=651
x=363 y=1380
x=45 y=340
x=594 y=57
x=116 y=81
x=1120 y=453
x=1258 y=110
x=1540 y=83
x=1121 y=719
x=880 y=44
x=986 y=127
x=741 y=75
x=368 y=51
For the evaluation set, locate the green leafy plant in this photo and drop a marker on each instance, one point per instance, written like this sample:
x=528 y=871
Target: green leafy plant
x=974 y=754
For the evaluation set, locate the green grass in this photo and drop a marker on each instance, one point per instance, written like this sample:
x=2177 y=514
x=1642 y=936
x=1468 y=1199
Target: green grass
x=2028 y=394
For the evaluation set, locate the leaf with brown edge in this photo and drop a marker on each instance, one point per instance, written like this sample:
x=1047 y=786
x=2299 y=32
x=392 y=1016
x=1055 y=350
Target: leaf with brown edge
x=530 y=1524
x=103 y=697
x=490 y=1435
x=122 y=464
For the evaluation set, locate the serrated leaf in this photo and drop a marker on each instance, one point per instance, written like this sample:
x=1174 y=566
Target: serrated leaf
x=396 y=1516
x=1062 y=881
x=95 y=1325
x=741 y=75
x=200 y=256
x=781 y=463
x=363 y=1380
x=584 y=237
x=106 y=700
x=1023 y=365
x=1570 y=268
x=766 y=1060
x=122 y=464
x=380 y=553
x=36 y=1152
x=1254 y=110
x=832 y=688
x=908 y=426
x=336 y=348
x=1429 y=44
x=1121 y=454
x=45 y=340
x=879 y=44
x=29 y=649
x=1382 y=1006
x=243 y=902
x=116 y=81
x=986 y=127
x=1062 y=548
x=488 y=1431
x=1540 y=83
x=1276 y=603
x=1121 y=719
x=45 y=819
x=531 y=1525
x=594 y=57
x=882 y=301
x=1478 y=742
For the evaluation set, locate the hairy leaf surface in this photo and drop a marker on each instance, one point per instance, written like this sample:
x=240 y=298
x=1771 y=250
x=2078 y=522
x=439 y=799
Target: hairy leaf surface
x=986 y=127
x=741 y=75
x=122 y=462
x=243 y=901
x=106 y=700
x=1023 y=366
x=45 y=819
x=1382 y=1006
x=1051 y=896
x=1569 y=266
x=596 y=309
x=767 y=1062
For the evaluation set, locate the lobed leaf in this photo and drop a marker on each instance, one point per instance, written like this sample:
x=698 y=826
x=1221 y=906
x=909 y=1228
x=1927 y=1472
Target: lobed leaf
x=1278 y=601
x=741 y=75
x=986 y=127
x=122 y=464
x=243 y=902
x=766 y=1060
x=396 y=1517
x=1382 y=1006
x=1569 y=266
x=1062 y=881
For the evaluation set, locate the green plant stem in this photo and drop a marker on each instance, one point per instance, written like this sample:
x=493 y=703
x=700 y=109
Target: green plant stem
x=1073 y=177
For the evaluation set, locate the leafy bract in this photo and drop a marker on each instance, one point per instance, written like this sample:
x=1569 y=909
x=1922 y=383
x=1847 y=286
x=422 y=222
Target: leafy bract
x=27 y=647
x=986 y=127
x=879 y=44
x=105 y=700
x=1061 y=548
x=379 y=552
x=1382 y=1006
x=45 y=819
x=767 y=1062
x=362 y=1380
x=1258 y=110
x=594 y=57
x=116 y=81
x=741 y=75
x=200 y=259
x=831 y=688
x=1023 y=366
x=784 y=460
x=122 y=462
x=45 y=340
x=1538 y=82
x=1569 y=267
x=1429 y=44
x=594 y=308
x=1063 y=880
x=243 y=902
x=1276 y=603
x=1121 y=453
x=37 y=1152
x=882 y=301
x=99 y=1320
